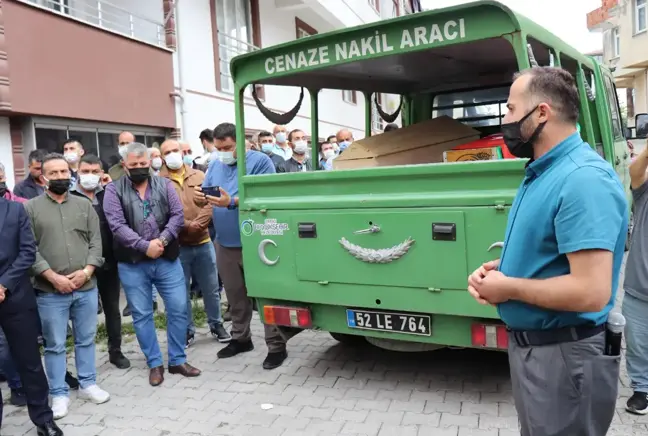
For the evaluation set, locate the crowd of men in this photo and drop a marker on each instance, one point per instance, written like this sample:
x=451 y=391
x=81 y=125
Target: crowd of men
x=79 y=231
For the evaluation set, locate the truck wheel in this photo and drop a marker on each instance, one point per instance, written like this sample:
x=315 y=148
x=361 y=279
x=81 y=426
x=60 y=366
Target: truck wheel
x=351 y=340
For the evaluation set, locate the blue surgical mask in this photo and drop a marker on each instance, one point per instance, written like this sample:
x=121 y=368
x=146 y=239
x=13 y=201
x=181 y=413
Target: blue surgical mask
x=281 y=137
x=187 y=159
x=227 y=157
x=267 y=148
x=344 y=144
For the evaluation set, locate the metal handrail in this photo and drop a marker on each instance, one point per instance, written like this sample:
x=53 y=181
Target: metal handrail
x=108 y=16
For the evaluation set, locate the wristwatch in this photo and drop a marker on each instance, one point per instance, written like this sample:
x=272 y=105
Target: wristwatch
x=164 y=241
x=232 y=204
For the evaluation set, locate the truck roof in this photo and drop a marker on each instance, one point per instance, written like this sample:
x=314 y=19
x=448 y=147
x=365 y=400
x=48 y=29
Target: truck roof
x=394 y=55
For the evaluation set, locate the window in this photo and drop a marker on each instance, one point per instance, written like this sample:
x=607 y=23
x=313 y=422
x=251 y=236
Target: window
x=641 y=15
x=303 y=30
x=478 y=108
x=51 y=139
x=87 y=138
x=616 y=43
x=235 y=36
x=396 y=8
x=376 y=120
x=375 y=4
x=349 y=96
x=615 y=111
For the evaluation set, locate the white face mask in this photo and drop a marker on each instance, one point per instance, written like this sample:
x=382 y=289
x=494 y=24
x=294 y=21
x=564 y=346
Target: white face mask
x=122 y=149
x=71 y=157
x=89 y=182
x=227 y=157
x=173 y=160
x=300 y=147
x=281 y=137
x=328 y=153
x=156 y=163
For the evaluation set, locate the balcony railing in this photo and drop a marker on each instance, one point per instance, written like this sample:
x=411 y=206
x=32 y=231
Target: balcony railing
x=228 y=48
x=107 y=16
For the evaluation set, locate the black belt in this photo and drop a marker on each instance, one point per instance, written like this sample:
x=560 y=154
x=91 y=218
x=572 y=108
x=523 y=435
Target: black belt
x=535 y=338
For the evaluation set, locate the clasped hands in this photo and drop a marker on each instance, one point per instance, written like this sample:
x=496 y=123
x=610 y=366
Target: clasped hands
x=69 y=282
x=487 y=285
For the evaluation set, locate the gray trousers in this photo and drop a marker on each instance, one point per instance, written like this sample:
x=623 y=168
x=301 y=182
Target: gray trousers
x=567 y=389
x=230 y=266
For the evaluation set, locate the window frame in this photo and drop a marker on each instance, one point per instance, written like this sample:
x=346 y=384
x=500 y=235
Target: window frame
x=255 y=31
x=375 y=5
x=302 y=26
x=397 y=5
x=615 y=38
x=353 y=97
x=638 y=10
x=615 y=109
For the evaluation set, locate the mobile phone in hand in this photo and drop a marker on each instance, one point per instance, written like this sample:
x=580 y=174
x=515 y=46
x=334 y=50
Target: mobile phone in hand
x=213 y=191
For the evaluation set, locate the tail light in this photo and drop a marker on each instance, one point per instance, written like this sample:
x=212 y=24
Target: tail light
x=287 y=316
x=489 y=336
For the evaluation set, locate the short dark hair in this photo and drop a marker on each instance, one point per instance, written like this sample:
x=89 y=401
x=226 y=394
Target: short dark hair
x=53 y=156
x=263 y=134
x=391 y=126
x=555 y=86
x=207 y=135
x=36 y=156
x=71 y=141
x=331 y=137
x=90 y=159
x=321 y=145
x=292 y=132
x=225 y=130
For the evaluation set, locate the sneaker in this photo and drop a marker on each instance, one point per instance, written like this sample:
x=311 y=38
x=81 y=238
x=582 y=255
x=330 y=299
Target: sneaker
x=220 y=334
x=71 y=381
x=18 y=398
x=275 y=360
x=190 y=340
x=638 y=403
x=60 y=406
x=234 y=348
x=118 y=359
x=94 y=394
x=126 y=311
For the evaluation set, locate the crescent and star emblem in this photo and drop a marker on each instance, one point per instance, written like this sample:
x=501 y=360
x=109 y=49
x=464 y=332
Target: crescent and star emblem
x=262 y=254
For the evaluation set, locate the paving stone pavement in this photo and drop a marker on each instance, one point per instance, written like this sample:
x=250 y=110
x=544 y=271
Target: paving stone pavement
x=323 y=389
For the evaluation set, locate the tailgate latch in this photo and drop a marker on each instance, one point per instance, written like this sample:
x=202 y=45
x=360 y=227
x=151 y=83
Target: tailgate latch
x=373 y=229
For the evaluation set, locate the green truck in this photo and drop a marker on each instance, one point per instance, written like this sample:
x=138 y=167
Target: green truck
x=383 y=254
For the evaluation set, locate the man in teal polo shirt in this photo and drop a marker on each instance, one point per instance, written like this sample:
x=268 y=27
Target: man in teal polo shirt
x=557 y=278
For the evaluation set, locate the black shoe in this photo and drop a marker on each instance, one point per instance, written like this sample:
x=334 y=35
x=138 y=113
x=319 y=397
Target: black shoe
x=234 y=348
x=99 y=308
x=220 y=334
x=155 y=306
x=126 y=311
x=71 y=381
x=190 y=340
x=3 y=378
x=118 y=359
x=49 y=429
x=275 y=360
x=18 y=398
x=638 y=403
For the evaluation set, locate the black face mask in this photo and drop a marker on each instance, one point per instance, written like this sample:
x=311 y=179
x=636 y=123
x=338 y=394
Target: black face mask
x=59 y=187
x=512 y=133
x=138 y=175
x=3 y=189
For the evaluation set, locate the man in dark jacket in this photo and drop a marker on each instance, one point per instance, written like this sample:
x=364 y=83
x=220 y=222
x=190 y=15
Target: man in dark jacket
x=90 y=186
x=19 y=314
x=33 y=185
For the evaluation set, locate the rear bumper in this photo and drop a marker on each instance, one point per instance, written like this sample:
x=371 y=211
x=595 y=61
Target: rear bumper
x=448 y=330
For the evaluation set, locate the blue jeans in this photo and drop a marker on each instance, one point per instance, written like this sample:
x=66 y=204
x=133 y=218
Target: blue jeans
x=7 y=365
x=199 y=261
x=55 y=310
x=138 y=280
x=636 y=335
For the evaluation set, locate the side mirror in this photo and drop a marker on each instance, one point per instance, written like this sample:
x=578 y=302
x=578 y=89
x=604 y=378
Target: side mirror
x=641 y=126
x=628 y=132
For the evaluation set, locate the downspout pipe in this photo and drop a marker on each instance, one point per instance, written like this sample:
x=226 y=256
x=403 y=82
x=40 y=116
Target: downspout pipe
x=182 y=123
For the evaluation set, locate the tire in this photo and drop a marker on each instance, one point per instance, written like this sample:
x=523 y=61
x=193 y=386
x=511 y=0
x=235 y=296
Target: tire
x=351 y=340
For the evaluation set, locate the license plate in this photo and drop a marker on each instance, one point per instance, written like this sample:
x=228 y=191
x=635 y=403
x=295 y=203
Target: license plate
x=389 y=322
